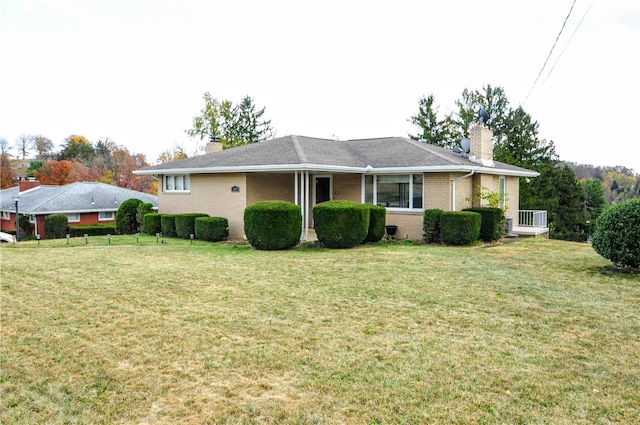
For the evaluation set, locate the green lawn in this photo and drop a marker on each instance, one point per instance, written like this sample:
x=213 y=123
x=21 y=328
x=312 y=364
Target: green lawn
x=530 y=332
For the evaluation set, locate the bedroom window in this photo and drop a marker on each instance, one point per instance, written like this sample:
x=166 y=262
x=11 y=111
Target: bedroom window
x=177 y=183
x=394 y=191
x=6 y=215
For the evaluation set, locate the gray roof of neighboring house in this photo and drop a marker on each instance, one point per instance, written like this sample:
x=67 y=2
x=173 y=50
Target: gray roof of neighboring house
x=76 y=197
x=290 y=153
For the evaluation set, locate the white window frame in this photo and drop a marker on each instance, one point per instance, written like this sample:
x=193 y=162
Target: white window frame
x=100 y=218
x=6 y=215
x=503 y=191
x=411 y=177
x=75 y=219
x=170 y=183
x=32 y=219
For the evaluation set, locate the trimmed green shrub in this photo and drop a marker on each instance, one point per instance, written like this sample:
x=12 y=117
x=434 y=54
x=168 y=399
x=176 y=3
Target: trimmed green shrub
x=168 y=225
x=55 y=226
x=26 y=227
x=271 y=225
x=617 y=234
x=152 y=223
x=492 y=225
x=212 y=229
x=126 y=217
x=92 y=230
x=431 y=225
x=186 y=224
x=460 y=227
x=341 y=224
x=377 y=222
x=143 y=209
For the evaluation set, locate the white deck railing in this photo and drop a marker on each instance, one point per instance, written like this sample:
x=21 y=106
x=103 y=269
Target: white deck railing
x=532 y=218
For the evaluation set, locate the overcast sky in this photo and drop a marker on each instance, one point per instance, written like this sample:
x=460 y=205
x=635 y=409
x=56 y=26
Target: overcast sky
x=135 y=71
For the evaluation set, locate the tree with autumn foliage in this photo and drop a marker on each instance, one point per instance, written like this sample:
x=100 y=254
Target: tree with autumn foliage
x=6 y=172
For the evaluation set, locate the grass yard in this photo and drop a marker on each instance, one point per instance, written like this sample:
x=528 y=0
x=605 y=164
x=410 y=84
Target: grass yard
x=531 y=332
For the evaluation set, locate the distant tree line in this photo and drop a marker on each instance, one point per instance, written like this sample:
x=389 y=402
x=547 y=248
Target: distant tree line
x=77 y=160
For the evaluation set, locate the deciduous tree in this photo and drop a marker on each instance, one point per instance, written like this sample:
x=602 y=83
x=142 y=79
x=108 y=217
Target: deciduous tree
x=6 y=172
x=24 y=145
x=233 y=125
x=43 y=146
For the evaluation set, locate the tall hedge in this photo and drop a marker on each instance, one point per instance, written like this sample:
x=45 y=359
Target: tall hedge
x=168 y=225
x=212 y=229
x=377 y=222
x=152 y=223
x=127 y=217
x=55 y=226
x=144 y=208
x=492 y=224
x=617 y=234
x=341 y=224
x=460 y=227
x=271 y=225
x=431 y=225
x=186 y=224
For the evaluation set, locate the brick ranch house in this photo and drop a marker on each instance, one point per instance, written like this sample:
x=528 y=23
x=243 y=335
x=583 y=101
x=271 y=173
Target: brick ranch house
x=82 y=202
x=405 y=176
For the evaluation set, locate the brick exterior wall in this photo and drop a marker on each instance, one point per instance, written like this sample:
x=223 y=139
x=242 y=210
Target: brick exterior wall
x=211 y=194
x=347 y=187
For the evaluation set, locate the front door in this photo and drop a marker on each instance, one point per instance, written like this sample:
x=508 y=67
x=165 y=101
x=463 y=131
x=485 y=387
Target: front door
x=322 y=189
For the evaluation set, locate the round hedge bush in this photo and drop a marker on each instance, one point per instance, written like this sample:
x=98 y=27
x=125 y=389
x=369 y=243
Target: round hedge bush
x=377 y=222
x=127 y=217
x=212 y=229
x=617 y=234
x=341 y=224
x=460 y=227
x=186 y=224
x=271 y=225
x=55 y=226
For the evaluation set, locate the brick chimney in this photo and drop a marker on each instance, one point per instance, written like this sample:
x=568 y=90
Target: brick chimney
x=211 y=147
x=481 y=150
x=28 y=183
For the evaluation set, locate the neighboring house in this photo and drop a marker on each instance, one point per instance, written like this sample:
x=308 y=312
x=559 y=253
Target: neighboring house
x=403 y=175
x=82 y=202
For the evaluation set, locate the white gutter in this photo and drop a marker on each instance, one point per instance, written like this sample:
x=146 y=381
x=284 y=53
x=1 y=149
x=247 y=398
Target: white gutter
x=453 y=188
x=339 y=169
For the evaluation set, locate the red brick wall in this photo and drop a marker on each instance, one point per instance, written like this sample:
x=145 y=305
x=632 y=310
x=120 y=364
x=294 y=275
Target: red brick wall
x=85 y=219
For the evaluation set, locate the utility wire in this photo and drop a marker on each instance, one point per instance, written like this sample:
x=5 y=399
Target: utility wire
x=550 y=52
x=568 y=42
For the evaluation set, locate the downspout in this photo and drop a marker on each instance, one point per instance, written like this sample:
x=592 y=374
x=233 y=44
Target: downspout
x=453 y=188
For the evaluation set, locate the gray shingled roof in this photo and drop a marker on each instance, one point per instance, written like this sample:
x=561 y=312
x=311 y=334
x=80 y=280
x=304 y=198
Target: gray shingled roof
x=71 y=198
x=290 y=153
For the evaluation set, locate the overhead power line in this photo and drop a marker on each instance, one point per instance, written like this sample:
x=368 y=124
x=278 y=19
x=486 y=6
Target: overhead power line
x=550 y=52
x=568 y=42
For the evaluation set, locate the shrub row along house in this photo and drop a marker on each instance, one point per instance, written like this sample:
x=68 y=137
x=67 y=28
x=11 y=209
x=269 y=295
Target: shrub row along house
x=83 y=203
x=405 y=176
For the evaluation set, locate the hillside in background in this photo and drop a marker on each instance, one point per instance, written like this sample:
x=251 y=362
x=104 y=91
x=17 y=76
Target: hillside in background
x=618 y=183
